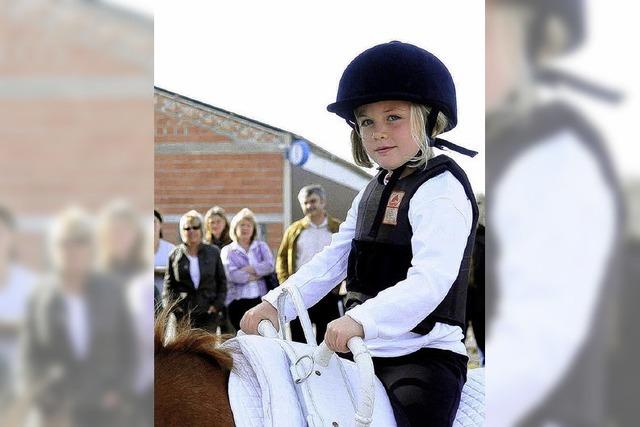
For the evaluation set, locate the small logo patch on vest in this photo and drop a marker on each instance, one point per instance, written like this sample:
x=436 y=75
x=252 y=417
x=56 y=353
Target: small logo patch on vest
x=391 y=213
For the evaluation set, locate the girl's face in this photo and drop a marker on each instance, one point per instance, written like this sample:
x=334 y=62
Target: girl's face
x=216 y=225
x=385 y=130
x=244 y=230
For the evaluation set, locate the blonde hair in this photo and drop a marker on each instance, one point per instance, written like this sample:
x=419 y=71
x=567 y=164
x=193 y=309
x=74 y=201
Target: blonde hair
x=192 y=217
x=419 y=114
x=244 y=213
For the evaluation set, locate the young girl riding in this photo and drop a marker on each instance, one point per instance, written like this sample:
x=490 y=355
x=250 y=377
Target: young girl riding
x=406 y=243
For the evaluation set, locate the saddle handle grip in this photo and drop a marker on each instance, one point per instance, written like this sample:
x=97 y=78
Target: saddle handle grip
x=301 y=311
x=322 y=356
x=266 y=329
x=361 y=356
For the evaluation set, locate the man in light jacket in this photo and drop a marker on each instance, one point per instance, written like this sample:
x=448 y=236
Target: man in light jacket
x=302 y=240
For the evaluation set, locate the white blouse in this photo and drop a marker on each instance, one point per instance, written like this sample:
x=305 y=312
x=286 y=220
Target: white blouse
x=194 y=270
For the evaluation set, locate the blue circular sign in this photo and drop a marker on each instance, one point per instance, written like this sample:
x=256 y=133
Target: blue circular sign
x=298 y=152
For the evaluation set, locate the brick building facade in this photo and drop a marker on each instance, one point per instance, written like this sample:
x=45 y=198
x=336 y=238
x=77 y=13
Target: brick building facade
x=206 y=156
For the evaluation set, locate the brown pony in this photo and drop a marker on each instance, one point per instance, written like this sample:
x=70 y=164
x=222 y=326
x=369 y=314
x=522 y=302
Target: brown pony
x=191 y=376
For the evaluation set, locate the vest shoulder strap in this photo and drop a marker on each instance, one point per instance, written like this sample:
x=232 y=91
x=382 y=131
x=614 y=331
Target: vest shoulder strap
x=439 y=165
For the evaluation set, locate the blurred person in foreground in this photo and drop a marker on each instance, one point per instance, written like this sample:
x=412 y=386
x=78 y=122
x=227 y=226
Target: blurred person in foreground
x=161 y=251
x=553 y=226
x=247 y=261
x=16 y=285
x=195 y=280
x=78 y=335
x=302 y=240
x=623 y=394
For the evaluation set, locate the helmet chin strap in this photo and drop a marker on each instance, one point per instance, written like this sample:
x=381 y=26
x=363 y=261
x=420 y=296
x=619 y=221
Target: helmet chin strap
x=443 y=143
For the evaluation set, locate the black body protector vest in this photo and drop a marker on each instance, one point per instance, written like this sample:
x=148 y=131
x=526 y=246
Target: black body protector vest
x=381 y=251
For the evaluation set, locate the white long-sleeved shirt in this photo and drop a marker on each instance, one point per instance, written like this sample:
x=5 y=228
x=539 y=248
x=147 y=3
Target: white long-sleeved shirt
x=440 y=215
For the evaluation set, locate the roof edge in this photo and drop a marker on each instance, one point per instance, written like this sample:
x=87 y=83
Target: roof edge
x=316 y=149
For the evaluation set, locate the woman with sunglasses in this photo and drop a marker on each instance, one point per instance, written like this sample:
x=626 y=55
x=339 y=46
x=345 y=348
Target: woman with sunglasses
x=195 y=280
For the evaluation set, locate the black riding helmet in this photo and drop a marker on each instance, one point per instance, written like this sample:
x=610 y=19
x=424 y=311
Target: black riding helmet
x=395 y=71
x=398 y=71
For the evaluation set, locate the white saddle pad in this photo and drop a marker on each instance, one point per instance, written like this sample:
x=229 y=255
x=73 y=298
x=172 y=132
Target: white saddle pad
x=259 y=395
x=471 y=409
x=262 y=392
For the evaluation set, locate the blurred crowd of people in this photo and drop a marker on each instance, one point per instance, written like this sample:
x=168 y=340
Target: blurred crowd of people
x=75 y=331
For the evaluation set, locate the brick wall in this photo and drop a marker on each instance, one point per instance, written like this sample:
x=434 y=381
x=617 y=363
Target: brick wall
x=198 y=179
x=74 y=101
x=233 y=181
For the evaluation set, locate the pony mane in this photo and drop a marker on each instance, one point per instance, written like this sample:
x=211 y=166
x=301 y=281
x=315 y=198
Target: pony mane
x=189 y=340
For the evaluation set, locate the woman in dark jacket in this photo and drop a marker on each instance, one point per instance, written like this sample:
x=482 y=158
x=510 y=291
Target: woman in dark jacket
x=195 y=277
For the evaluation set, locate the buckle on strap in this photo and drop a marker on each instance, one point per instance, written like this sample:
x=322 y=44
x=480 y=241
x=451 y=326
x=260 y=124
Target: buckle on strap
x=295 y=366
